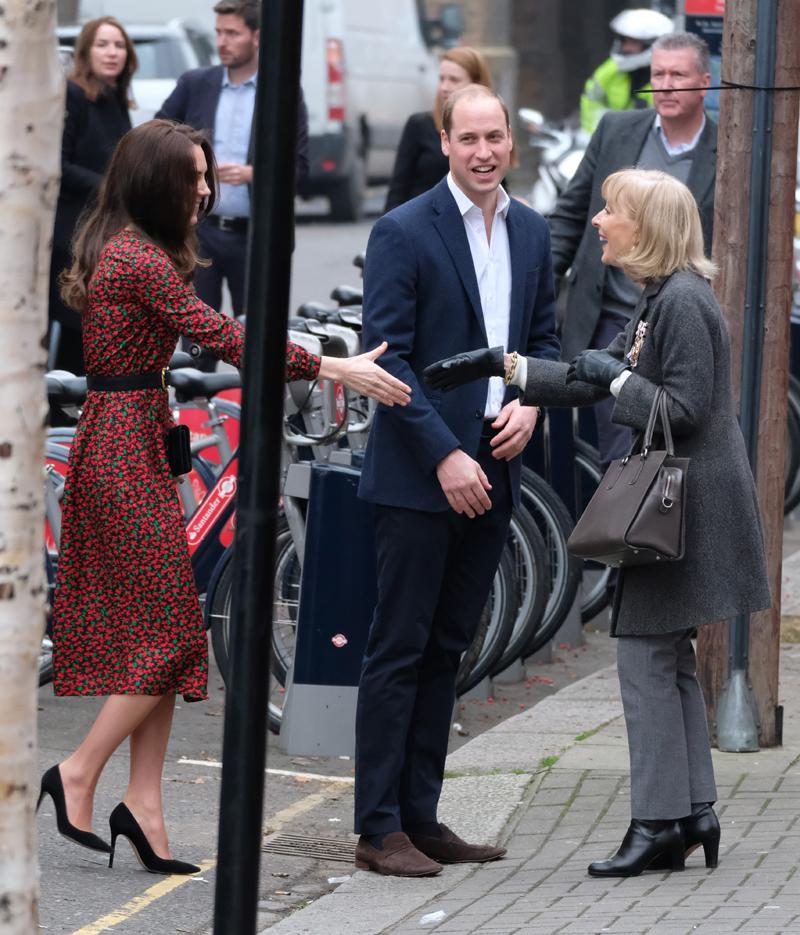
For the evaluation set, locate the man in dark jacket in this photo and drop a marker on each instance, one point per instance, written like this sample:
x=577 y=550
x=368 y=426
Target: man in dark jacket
x=220 y=100
x=460 y=267
x=676 y=137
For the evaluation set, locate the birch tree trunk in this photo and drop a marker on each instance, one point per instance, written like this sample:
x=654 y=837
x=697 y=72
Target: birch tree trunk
x=31 y=114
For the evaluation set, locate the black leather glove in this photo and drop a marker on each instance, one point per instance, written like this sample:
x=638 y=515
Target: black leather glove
x=597 y=367
x=453 y=371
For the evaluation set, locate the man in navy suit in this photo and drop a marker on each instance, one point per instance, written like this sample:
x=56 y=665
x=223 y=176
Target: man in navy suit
x=458 y=268
x=219 y=100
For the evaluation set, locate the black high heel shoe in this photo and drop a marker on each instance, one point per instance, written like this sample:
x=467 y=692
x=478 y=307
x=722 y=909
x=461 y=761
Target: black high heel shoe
x=123 y=823
x=644 y=842
x=52 y=786
x=700 y=829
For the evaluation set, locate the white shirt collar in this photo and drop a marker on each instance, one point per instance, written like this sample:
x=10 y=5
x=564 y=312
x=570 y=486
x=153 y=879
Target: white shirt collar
x=678 y=148
x=464 y=203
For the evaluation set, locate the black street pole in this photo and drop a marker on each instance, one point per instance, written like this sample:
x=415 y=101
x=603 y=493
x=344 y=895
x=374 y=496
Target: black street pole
x=270 y=253
x=737 y=727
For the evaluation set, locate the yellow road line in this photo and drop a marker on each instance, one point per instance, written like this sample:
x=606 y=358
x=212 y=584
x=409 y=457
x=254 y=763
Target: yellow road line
x=148 y=897
x=138 y=903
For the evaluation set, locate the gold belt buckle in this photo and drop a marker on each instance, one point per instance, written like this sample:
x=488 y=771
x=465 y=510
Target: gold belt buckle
x=164 y=372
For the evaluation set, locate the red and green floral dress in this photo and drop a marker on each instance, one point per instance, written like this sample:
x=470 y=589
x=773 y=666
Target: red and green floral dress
x=127 y=618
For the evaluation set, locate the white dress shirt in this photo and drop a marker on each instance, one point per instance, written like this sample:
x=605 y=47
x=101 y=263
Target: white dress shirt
x=492 y=261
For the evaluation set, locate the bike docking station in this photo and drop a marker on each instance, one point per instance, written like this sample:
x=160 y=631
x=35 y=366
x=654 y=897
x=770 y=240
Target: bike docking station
x=337 y=599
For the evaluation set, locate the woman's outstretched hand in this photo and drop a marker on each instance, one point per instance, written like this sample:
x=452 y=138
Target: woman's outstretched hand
x=463 y=368
x=363 y=375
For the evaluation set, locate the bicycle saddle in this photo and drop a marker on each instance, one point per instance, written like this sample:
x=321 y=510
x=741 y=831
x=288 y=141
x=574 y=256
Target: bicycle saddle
x=180 y=359
x=358 y=260
x=64 y=387
x=351 y=317
x=347 y=295
x=190 y=383
x=317 y=310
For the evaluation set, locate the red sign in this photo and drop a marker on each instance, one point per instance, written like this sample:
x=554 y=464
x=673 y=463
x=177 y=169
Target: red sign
x=705 y=7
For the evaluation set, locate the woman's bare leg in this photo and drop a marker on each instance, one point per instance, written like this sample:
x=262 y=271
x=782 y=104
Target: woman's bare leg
x=148 y=750
x=118 y=718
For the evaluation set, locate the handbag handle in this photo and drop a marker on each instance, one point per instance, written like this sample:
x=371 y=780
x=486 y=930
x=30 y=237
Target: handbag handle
x=666 y=428
x=658 y=413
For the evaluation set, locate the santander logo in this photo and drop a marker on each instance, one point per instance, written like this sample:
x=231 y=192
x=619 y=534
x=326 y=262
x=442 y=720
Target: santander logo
x=203 y=520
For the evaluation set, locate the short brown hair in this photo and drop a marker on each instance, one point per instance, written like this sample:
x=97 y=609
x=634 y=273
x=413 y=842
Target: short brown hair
x=249 y=11
x=81 y=73
x=670 y=236
x=471 y=91
x=150 y=185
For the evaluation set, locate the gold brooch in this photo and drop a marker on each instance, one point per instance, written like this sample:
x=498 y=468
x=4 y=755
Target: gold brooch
x=638 y=341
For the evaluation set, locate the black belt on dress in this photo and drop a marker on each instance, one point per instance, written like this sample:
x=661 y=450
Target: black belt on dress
x=155 y=380
x=228 y=223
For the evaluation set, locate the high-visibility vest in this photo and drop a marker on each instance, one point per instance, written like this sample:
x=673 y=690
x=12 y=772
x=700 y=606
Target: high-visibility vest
x=609 y=89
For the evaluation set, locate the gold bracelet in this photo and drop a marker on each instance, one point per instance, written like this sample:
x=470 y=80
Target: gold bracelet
x=510 y=375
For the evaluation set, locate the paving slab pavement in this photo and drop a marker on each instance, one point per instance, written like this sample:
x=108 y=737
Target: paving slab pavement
x=552 y=784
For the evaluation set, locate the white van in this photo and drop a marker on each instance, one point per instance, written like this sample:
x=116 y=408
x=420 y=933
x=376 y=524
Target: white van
x=367 y=66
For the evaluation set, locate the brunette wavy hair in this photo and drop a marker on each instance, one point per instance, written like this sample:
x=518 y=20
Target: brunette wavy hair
x=150 y=186
x=81 y=73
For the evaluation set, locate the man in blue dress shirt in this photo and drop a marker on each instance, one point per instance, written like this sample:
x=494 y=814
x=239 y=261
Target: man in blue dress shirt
x=220 y=100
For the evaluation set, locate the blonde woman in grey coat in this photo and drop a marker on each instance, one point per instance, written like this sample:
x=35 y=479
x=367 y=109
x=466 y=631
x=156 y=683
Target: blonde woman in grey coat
x=677 y=340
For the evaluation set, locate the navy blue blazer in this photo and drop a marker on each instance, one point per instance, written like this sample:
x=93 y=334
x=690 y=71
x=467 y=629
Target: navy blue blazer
x=421 y=295
x=194 y=101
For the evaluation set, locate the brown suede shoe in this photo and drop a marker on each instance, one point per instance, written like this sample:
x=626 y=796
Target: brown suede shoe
x=398 y=858
x=450 y=849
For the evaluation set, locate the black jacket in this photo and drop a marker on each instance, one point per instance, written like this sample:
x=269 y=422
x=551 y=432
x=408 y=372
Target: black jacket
x=420 y=162
x=92 y=130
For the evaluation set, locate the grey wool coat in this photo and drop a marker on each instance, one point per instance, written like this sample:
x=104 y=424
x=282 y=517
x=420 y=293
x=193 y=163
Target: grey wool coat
x=686 y=349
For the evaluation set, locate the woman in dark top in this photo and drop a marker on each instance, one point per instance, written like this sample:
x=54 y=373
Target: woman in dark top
x=420 y=162
x=96 y=117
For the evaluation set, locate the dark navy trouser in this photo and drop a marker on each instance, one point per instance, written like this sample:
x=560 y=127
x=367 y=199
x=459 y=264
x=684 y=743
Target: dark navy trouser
x=435 y=572
x=227 y=251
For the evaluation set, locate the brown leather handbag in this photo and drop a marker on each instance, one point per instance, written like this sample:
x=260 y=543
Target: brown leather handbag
x=636 y=515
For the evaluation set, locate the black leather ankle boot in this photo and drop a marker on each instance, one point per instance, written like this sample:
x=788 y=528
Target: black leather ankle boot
x=700 y=829
x=644 y=842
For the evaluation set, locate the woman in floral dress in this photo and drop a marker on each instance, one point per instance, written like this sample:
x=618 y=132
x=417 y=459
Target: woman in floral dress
x=127 y=622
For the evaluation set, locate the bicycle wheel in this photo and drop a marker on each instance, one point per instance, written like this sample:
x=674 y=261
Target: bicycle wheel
x=555 y=524
x=46 y=649
x=595 y=596
x=531 y=573
x=497 y=622
x=791 y=494
x=220 y=620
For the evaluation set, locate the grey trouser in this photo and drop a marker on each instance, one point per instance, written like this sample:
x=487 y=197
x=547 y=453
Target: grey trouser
x=665 y=715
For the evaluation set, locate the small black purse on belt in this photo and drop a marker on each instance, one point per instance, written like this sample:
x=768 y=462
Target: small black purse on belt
x=179 y=452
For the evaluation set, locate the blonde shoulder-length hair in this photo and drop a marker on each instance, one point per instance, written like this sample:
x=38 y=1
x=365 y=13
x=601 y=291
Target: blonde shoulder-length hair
x=669 y=236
